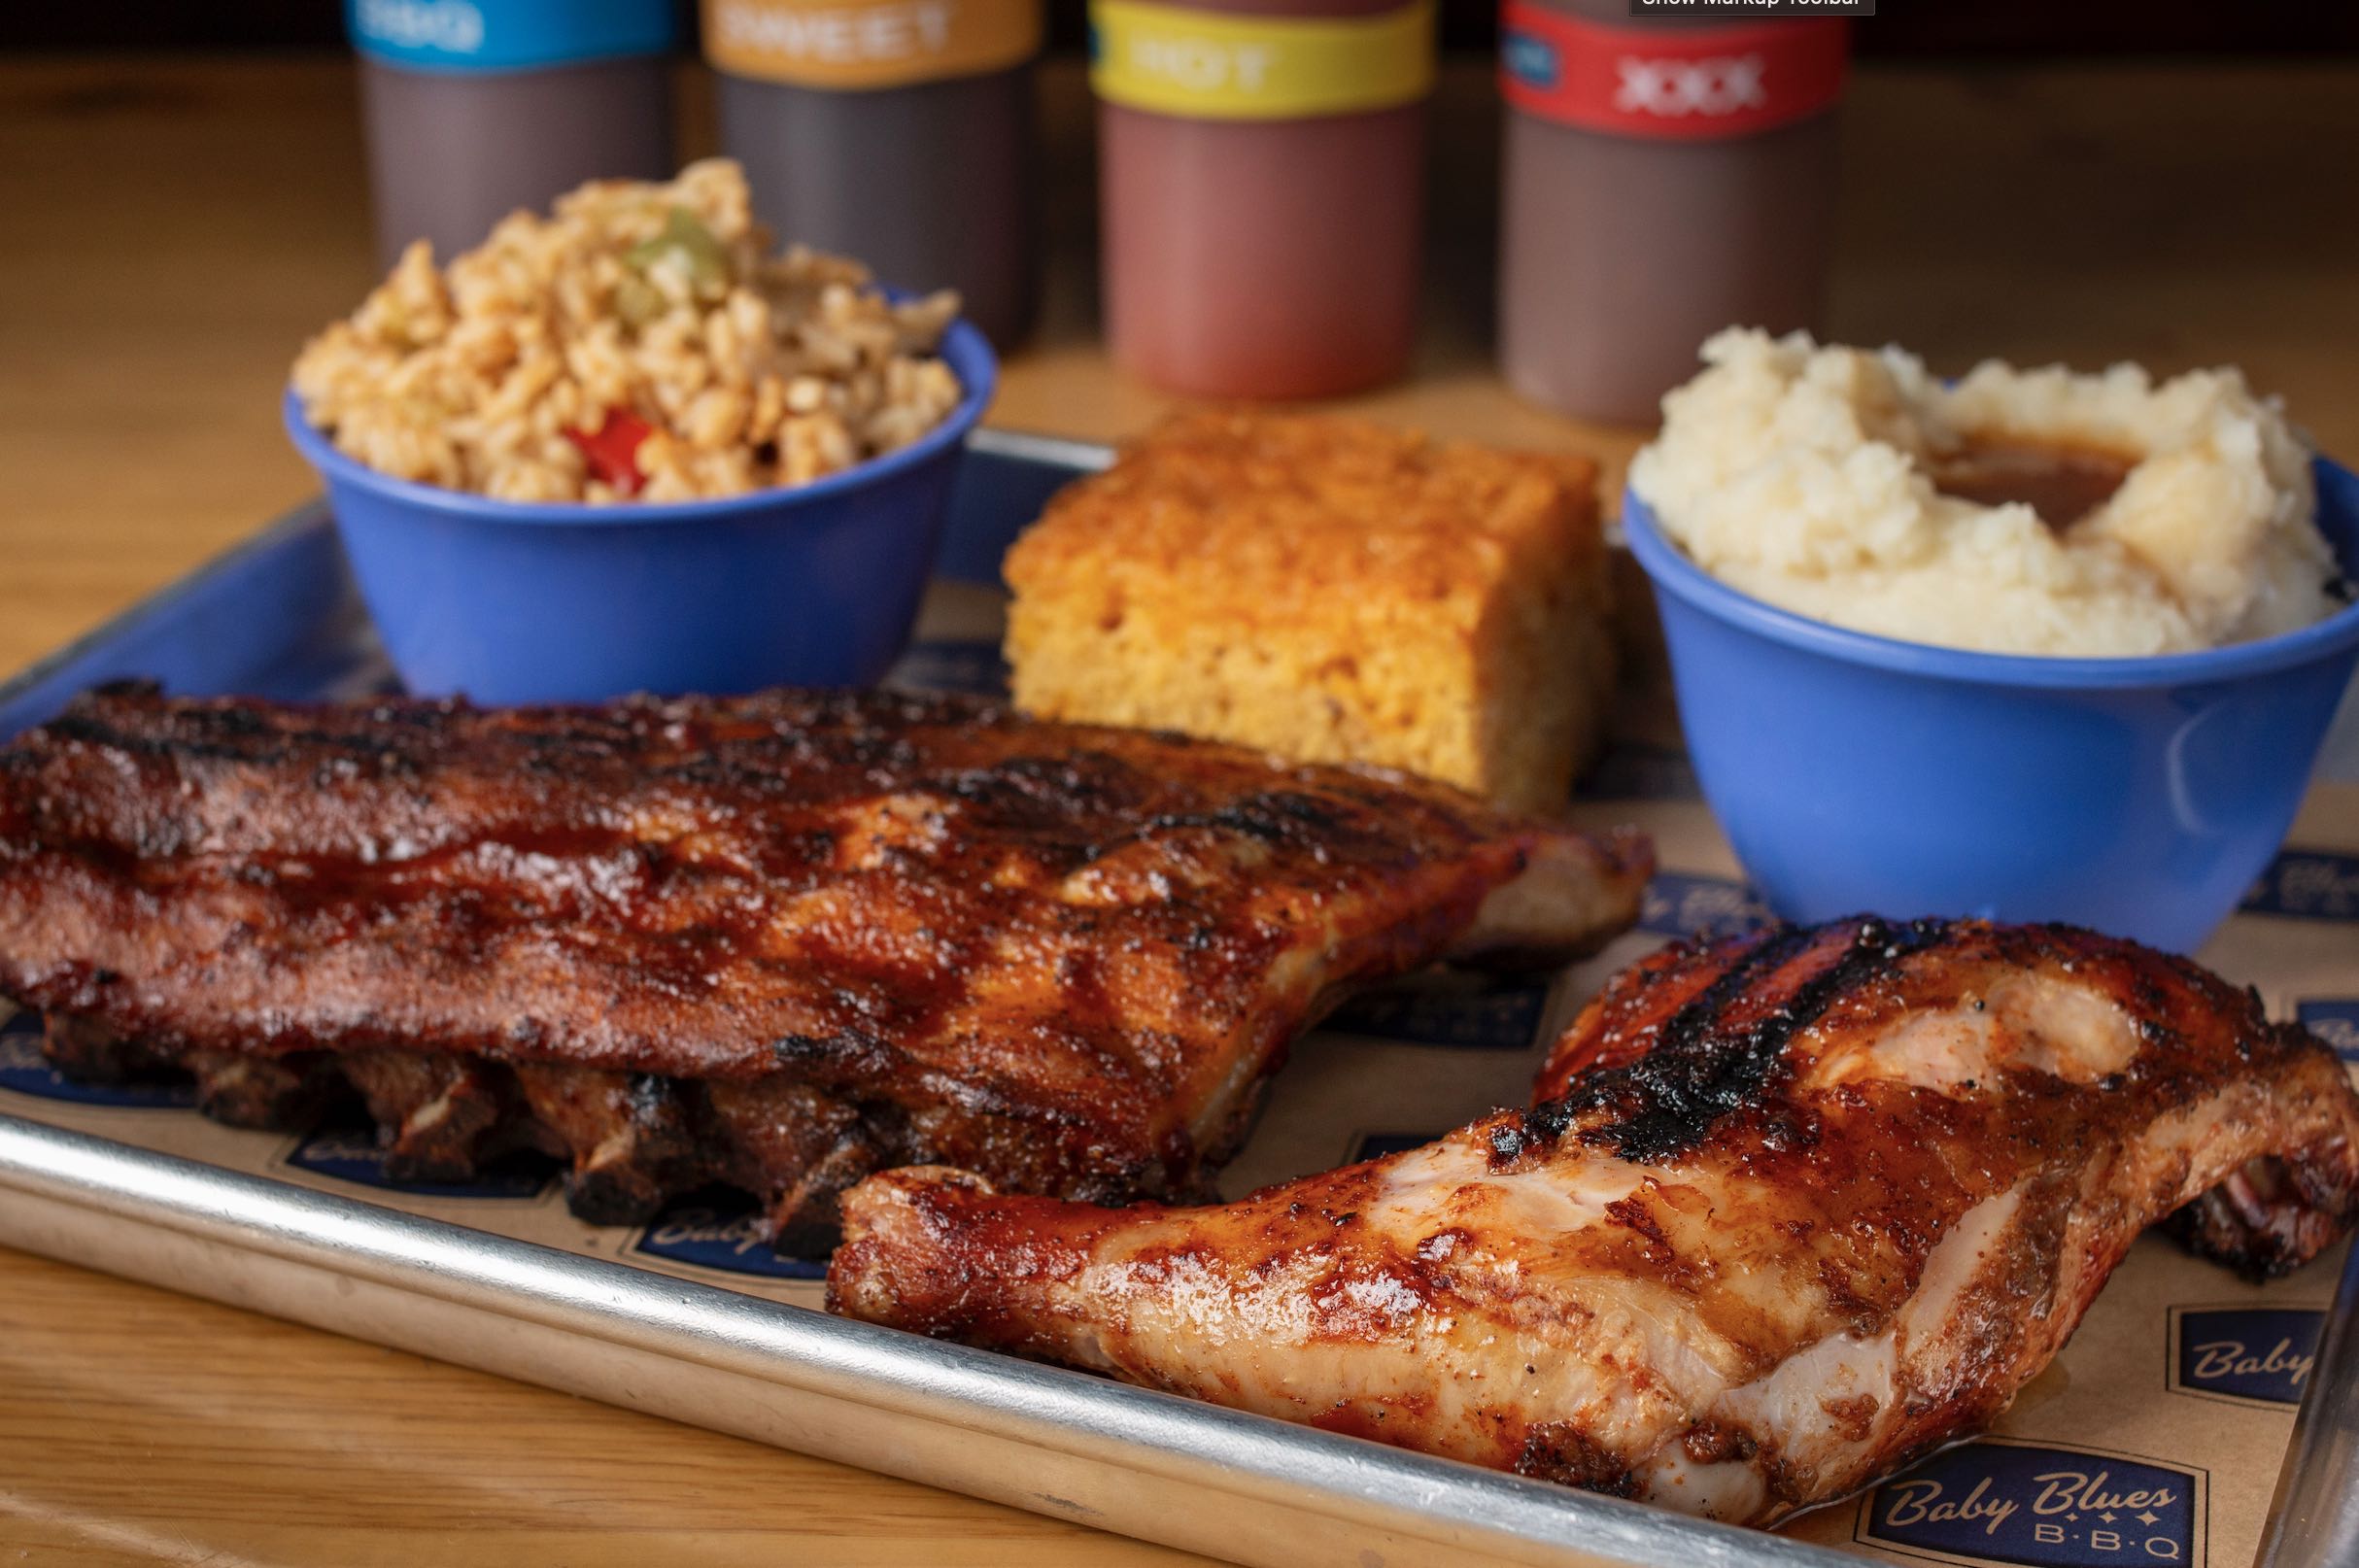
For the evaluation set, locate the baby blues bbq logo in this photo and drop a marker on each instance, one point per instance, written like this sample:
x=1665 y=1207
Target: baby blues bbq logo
x=2002 y=1501
x=2334 y=1020
x=1678 y=905
x=2245 y=1355
x=1376 y=1146
x=1635 y=771
x=1501 y=1016
x=23 y=1069
x=2307 y=884
x=350 y=1153
x=720 y=1228
x=949 y=664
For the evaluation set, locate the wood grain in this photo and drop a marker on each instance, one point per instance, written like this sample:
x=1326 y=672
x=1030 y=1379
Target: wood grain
x=177 y=227
x=140 y=1425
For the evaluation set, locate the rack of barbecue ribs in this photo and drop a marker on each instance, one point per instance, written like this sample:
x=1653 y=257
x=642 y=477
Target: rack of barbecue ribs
x=777 y=941
x=1792 y=1210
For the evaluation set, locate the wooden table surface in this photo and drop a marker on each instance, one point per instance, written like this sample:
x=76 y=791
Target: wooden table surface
x=177 y=227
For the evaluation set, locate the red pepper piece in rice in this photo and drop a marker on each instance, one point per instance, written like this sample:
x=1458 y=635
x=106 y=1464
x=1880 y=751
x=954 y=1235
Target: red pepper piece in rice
x=611 y=450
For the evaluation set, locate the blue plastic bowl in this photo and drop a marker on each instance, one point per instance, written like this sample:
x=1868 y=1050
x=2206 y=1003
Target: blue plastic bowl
x=523 y=601
x=2140 y=797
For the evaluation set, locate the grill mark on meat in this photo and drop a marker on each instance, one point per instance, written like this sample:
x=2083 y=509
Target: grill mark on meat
x=1711 y=1442
x=1275 y=817
x=1564 y=1453
x=1701 y=1068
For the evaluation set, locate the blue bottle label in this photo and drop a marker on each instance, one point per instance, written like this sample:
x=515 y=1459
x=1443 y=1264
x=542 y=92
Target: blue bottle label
x=506 y=35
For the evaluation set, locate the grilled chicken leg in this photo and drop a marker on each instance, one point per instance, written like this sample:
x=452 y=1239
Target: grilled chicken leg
x=1794 y=1210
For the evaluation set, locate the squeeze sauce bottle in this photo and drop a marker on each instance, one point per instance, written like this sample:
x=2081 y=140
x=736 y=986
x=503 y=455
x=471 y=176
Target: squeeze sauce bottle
x=475 y=108
x=1663 y=179
x=898 y=132
x=1262 y=164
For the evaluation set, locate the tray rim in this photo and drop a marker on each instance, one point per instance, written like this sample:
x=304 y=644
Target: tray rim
x=1457 y=1509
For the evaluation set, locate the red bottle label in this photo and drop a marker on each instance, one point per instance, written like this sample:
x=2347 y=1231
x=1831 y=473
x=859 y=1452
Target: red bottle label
x=1668 y=83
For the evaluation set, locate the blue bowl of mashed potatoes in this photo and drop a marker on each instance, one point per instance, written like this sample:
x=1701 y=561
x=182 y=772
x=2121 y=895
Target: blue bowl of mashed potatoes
x=2028 y=645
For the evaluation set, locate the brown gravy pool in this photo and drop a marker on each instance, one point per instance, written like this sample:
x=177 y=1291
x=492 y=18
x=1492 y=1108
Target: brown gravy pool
x=2063 y=483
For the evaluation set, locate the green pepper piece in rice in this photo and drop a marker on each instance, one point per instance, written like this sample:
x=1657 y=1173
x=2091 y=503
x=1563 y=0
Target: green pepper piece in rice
x=701 y=258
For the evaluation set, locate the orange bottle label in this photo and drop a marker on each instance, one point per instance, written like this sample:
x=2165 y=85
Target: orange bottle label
x=856 y=44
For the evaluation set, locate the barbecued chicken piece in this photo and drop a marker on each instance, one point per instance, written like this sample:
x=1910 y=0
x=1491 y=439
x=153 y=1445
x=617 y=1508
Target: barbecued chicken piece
x=1797 y=1208
x=777 y=940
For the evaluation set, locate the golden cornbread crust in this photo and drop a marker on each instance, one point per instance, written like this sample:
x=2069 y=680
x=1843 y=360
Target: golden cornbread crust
x=1329 y=589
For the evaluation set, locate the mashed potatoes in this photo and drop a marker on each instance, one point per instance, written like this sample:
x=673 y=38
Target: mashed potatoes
x=2019 y=511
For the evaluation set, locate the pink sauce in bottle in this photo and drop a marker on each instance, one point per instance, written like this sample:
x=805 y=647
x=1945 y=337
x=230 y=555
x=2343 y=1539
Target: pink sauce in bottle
x=1260 y=226
x=1663 y=179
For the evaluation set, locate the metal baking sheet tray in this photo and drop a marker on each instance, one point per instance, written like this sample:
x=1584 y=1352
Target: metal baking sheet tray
x=279 y=617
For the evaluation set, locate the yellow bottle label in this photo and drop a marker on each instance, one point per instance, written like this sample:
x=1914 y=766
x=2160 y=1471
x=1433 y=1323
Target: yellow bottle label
x=1219 y=66
x=855 y=44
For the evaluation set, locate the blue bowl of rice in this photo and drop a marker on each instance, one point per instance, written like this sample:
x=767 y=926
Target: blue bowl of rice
x=624 y=448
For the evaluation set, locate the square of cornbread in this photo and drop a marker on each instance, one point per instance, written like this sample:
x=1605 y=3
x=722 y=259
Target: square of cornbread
x=1331 y=591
